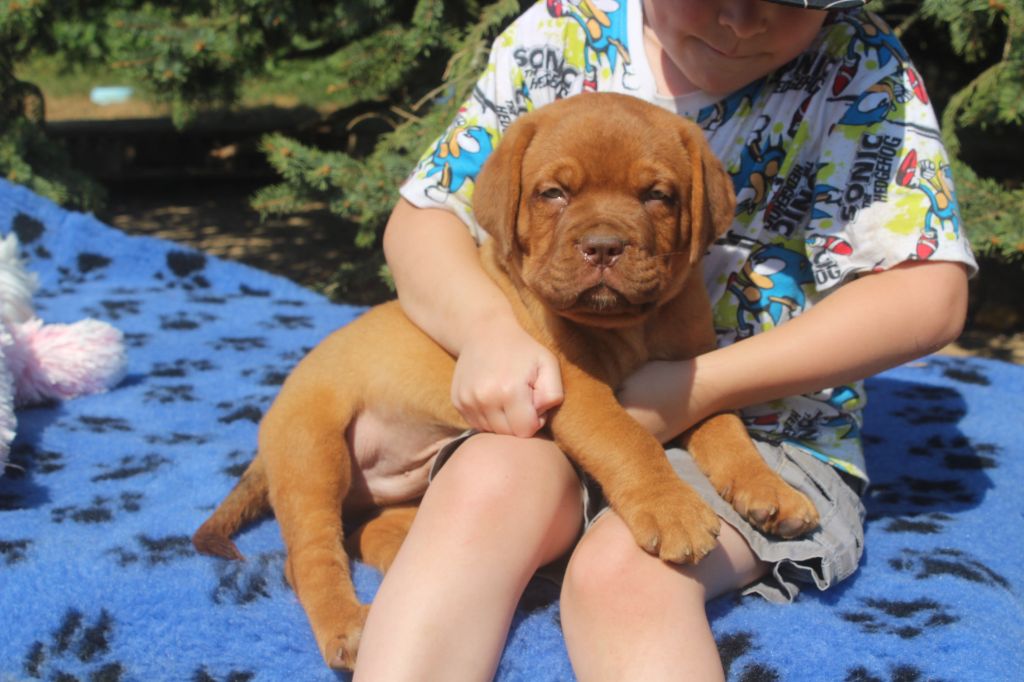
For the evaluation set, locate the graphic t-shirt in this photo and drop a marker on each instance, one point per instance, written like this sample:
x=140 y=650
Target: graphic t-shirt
x=835 y=158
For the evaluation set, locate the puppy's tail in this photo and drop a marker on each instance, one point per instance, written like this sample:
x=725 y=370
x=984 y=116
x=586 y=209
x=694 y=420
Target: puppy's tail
x=246 y=502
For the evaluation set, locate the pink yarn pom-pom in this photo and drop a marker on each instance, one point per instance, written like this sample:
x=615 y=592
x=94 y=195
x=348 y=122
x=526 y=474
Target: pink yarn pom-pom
x=62 y=361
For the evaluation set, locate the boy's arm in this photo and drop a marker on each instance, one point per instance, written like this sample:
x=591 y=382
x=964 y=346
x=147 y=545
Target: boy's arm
x=504 y=380
x=868 y=325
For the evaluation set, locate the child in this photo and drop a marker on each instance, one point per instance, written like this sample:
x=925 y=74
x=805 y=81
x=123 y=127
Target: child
x=845 y=258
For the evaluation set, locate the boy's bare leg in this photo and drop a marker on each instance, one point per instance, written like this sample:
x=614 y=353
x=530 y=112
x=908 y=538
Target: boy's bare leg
x=629 y=616
x=498 y=510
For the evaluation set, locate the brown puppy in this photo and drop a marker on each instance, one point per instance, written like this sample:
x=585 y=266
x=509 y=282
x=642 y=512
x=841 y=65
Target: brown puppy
x=600 y=208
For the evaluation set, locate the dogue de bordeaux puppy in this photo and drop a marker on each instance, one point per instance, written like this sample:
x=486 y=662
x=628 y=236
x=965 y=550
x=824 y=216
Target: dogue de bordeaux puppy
x=599 y=208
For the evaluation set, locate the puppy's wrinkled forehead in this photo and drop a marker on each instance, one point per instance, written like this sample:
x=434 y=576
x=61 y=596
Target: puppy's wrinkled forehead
x=604 y=148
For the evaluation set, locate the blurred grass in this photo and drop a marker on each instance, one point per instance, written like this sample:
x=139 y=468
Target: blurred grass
x=67 y=91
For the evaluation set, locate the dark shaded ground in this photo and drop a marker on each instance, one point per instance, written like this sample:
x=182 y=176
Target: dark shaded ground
x=215 y=216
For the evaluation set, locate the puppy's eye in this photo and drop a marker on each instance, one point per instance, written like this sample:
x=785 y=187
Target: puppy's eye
x=553 y=193
x=659 y=195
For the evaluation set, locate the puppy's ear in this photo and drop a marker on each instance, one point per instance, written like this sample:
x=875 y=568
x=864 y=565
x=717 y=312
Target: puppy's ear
x=712 y=199
x=499 y=186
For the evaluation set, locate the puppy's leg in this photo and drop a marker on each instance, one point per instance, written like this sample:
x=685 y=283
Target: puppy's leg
x=309 y=471
x=376 y=542
x=722 y=448
x=665 y=515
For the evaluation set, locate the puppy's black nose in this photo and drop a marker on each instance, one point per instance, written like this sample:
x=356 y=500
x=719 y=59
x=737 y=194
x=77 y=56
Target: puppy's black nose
x=602 y=250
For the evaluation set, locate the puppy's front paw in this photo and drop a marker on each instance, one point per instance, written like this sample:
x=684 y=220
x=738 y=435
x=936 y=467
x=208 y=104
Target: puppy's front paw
x=671 y=521
x=772 y=505
x=340 y=646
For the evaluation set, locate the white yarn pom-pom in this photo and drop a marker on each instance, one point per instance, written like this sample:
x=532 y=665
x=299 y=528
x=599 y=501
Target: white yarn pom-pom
x=16 y=284
x=8 y=421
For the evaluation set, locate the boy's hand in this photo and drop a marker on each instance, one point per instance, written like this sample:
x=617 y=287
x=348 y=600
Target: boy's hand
x=505 y=381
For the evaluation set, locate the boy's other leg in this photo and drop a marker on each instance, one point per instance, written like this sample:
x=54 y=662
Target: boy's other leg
x=630 y=616
x=498 y=509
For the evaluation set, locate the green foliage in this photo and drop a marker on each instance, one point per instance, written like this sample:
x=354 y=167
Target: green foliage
x=27 y=155
x=198 y=54
x=29 y=158
x=19 y=25
x=985 y=100
x=994 y=215
x=363 y=189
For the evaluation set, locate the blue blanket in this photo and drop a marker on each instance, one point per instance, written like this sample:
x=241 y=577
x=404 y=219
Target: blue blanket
x=98 y=579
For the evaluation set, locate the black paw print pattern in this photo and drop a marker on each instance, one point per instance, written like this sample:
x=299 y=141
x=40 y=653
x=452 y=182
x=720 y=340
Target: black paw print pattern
x=900 y=672
x=181 y=368
x=906 y=619
x=29 y=459
x=929 y=405
x=203 y=675
x=947 y=561
x=736 y=645
x=918 y=496
x=130 y=466
x=924 y=468
x=963 y=371
x=102 y=509
x=81 y=644
x=231 y=412
x=116 y=310
x=13 y=551
x=175 y=393
x=102 y=425
x=243 y=582
x=957 y=452
x=154 y=551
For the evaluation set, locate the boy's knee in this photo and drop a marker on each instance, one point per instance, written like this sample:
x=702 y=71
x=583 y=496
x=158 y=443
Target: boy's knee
x=603 y=564
x=608 y=571
x=502 y=472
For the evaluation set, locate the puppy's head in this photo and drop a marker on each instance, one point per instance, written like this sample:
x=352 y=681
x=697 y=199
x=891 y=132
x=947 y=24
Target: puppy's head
x=600 y=204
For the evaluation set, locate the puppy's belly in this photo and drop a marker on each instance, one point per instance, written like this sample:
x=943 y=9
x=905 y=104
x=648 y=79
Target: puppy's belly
x=392 y=455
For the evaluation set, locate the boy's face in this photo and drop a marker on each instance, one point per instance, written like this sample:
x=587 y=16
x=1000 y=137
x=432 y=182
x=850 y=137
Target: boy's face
x=718 y=46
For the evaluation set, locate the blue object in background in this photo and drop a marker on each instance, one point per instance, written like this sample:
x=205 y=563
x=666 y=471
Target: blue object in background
x=103 y=95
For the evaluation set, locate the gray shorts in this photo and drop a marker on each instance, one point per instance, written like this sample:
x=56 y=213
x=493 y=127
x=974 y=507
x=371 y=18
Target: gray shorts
x=823 y=558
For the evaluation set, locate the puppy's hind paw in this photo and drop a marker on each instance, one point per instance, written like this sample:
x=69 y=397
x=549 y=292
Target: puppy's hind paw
x=345 y=649
x=341 y=649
